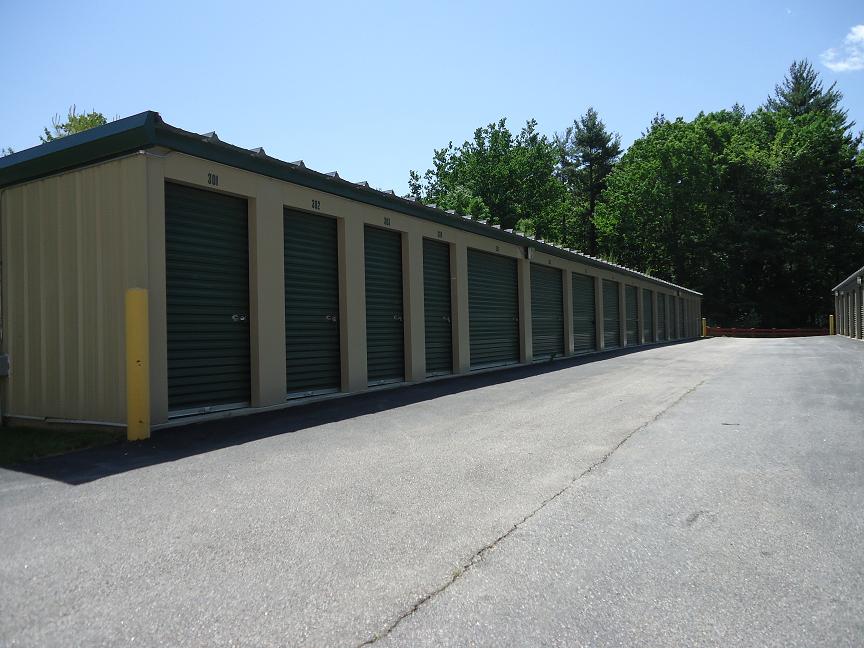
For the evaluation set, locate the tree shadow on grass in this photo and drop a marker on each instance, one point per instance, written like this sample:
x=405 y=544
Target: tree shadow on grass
x=175 y=443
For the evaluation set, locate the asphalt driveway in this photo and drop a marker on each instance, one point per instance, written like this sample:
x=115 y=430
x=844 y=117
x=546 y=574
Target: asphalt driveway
x=700 y=493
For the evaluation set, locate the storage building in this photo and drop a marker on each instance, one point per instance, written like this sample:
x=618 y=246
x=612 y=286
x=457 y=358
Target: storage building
x=268 y=282
x=849 y=305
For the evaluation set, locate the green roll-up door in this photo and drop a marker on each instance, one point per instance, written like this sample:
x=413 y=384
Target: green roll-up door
x=611 y=315
x=312 y=358
x=436 y=308
x=681 y=331
x=207 y=300
x=647 y=315
x=584 y=313
x=385 y=346
x=631 y=302
x=673 y=313
x=547 y=312
x=685 y=319
x=670 y=317
x=673 y=317
x=493 y=309
x=662 y=333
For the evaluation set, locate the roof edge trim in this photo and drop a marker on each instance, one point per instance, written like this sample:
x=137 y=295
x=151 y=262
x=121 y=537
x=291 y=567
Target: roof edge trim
x=94 y=145
x=858 y=273
x=147 y=129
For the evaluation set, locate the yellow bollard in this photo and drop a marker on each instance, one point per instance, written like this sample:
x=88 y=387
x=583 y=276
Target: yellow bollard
x=137 y=365
x=830 y=325
x=704 y=327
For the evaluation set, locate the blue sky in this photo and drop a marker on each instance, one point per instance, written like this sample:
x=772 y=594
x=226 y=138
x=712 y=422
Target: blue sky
x=370 y=89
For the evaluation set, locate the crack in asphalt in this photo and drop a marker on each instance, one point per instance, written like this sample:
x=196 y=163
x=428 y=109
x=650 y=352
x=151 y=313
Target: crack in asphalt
x=479 y=555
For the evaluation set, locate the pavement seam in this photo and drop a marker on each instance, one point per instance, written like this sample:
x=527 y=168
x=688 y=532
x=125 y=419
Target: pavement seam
x=479 y=555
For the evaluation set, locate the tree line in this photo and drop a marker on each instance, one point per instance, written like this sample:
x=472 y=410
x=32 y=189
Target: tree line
x=761 y=211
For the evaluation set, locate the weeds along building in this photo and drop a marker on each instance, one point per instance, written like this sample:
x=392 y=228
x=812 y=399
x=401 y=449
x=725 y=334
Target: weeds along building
x=268 y=282
x=849 y=305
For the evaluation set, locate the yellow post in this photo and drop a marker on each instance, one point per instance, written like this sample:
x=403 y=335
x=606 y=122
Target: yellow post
x=830 y=325
x=704 y=327
x=137 y=365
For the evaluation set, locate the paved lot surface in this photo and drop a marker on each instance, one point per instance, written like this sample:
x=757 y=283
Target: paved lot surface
x=707 y=493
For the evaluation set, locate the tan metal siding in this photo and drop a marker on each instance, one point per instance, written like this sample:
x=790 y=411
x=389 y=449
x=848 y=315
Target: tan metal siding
x=72 y=244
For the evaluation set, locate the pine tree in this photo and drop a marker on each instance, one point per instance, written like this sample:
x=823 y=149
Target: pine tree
x=802 y=92
x=588 y=153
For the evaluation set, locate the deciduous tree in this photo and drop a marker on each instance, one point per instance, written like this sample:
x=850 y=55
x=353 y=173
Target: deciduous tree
x=505 y=178
x=74 y=123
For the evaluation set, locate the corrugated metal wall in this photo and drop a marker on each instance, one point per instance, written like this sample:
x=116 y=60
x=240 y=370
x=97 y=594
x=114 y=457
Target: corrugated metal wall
x=72 y=245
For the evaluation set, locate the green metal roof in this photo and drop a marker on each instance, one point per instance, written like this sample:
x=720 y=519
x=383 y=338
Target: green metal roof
x=101 y=143
x=147 y=130
x=849 y=282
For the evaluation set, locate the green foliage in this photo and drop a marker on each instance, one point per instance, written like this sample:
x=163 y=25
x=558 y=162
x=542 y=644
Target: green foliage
x=760 y=211
x=74 y=123
x=588 y=153
x=499 y=177
x=802 y=92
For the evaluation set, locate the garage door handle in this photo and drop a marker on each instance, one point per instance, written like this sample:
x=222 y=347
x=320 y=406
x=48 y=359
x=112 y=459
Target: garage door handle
x=446 y=318
x=239 y=317
x=397 y=317
x=330 y=318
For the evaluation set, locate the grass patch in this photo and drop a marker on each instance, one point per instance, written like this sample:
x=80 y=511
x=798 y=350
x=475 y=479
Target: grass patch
x=25 y=443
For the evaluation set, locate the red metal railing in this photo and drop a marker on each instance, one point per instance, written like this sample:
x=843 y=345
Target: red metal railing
x=717 y=331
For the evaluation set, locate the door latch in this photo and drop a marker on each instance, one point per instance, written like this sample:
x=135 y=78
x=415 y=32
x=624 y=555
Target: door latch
x=239 y=317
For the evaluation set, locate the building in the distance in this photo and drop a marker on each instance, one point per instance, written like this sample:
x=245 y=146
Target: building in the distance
x=849 y=305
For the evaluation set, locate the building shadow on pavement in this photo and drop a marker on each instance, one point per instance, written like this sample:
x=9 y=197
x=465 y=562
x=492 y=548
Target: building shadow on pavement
x=175 y=443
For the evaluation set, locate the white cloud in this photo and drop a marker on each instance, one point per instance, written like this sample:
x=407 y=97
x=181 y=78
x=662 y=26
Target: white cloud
x=850 y=56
